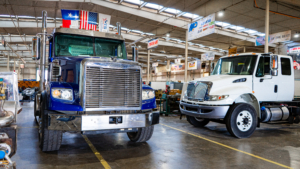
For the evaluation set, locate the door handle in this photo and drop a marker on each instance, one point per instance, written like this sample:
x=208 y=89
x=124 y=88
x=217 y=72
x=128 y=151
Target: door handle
x=275 y=88
x=261 y=80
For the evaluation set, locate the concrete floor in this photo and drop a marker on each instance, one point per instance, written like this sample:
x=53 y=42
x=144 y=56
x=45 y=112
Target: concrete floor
x=272 y=146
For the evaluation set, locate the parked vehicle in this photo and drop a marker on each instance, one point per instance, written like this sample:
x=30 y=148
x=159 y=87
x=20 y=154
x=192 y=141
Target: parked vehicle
x=91 y=88
x=243 y=91
x=28 y=94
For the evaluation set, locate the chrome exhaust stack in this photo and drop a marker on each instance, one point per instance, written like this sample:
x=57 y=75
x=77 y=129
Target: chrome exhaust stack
x=119 y=28
x=43 y=55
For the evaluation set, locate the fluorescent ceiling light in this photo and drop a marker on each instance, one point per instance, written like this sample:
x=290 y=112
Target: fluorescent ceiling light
x=7 y=15
x=223 y=24
x=150 y=34
x=111 y=26
x=153 y=6
x=190 y=15
x=137 y=2
x=236 y=27
x=250 y=31
x=172 y=10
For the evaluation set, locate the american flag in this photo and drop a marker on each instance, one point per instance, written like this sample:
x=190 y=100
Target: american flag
x=88 y=20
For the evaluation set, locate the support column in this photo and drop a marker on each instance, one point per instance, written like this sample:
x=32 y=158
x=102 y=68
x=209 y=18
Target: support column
x=19 y=72
x=267 y=26
x=148 y=67
x=168 y=68
x=186 y=56
x=14 y=65
x=8 y=61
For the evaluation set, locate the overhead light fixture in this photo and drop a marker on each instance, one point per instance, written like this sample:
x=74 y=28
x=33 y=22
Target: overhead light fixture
x=139 y=46
x=296 y=35
x=221 y=13
x=167 y=35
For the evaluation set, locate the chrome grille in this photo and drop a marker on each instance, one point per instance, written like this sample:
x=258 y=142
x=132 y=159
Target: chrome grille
x=197 y=91
x=112 y=88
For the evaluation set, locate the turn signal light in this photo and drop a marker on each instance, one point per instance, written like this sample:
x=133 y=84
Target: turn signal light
x=56 y=93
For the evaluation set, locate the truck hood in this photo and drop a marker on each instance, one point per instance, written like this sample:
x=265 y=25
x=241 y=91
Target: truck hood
x=223 y=83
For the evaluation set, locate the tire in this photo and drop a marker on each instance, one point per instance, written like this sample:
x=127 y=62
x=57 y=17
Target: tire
x=142 y=135
x=49 y=140
x=241 y=120
x=197 y=122
x=36 y=113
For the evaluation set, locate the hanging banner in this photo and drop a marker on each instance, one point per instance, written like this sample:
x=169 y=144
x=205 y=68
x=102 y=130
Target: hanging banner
x=153 y=43
x=104 y=22
x=274 y=38
x=203 y=27
x=177 y=67
x=208 y=56
x=155 y=64
x=294 y=50
x=177 y=61
x=193 y=65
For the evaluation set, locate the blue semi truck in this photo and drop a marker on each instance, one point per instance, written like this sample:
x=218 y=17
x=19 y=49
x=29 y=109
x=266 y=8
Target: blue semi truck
x=91 y=87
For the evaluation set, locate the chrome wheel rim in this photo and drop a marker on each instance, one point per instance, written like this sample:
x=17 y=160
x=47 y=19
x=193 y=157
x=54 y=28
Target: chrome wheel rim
x=199 y=119
x=244 y=121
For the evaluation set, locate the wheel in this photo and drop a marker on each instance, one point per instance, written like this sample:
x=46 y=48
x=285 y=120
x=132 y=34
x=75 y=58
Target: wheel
x=36 y=113
x=49 y=140
x=241 y=121
x=196 y=121
x=142 y=135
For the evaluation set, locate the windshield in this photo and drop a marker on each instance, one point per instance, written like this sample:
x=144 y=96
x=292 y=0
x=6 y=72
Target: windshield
x=240 y=65
x=74 y=45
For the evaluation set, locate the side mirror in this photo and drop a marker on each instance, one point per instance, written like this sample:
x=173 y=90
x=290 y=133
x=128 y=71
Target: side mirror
x=274 y=65
x=134 y=53
x=36 y=48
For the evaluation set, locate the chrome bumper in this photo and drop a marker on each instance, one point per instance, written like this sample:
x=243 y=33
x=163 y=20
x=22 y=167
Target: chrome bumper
x=203 y=111
x=102 y=122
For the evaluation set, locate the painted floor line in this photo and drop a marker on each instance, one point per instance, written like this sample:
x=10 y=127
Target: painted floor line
x=223 y=145
x=97 y=154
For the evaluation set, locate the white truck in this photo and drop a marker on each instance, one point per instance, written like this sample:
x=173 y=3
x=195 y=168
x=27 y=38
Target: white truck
x=243 y=91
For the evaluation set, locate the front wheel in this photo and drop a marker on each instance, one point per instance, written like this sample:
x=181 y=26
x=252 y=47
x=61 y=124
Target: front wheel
x=241 y=121
x=49 y=140
x=142 y=135
x=196 y=121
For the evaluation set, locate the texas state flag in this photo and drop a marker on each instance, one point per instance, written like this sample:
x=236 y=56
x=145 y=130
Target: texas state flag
x=70 y=18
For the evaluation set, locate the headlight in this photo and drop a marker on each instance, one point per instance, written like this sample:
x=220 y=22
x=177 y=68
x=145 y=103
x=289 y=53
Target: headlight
x=217 y=97
x=148 y=94
x=65 y=94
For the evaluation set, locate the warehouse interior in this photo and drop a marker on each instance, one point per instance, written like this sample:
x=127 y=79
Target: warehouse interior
x=136 y=84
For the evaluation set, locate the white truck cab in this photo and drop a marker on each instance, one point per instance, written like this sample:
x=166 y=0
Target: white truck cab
x=242 y=91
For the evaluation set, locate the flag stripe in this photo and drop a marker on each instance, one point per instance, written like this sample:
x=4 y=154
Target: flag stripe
x=88 y=20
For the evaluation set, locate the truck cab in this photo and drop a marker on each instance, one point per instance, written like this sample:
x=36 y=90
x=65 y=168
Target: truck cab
x=242 y=91
x=92 y=88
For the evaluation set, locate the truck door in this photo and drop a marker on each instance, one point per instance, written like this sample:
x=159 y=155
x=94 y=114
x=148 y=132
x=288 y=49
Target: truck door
x=265 y=86
x=286 y=83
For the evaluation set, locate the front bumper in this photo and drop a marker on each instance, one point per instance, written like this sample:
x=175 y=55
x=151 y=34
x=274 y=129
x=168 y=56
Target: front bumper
x=98 y=122
x=203 y=111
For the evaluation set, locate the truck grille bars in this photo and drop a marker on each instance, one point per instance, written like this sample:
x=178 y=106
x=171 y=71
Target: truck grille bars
x=110 y=89
x=197 y=91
